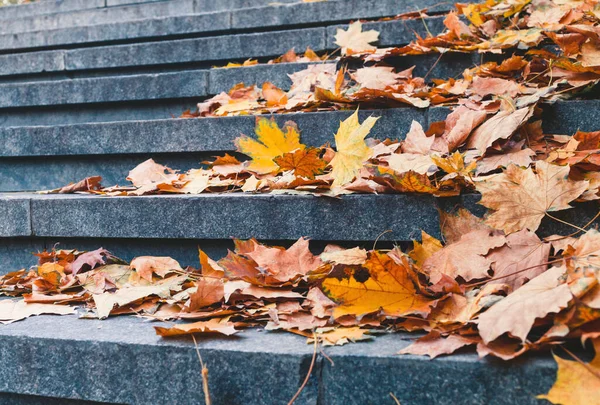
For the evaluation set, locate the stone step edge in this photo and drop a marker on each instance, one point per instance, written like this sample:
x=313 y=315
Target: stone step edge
x=206 y=49
x=281 y=15
x=364 y=372
x=222 y=216
x=216 y=134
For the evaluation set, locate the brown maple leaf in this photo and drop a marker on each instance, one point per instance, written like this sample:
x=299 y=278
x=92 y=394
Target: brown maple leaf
x=516 y=314
x=465 y=259
x=146 y=266
x=520 y=198
x=209 y=291
x=303 y=162
x=434 y=344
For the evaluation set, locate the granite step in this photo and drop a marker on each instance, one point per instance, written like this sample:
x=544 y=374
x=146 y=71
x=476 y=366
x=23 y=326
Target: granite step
x=176 y=225
x=178 y=17
x=45 y=157
x=110 y=361
x=123 y=12
x=205 y=50
x=42 y=7
x=196 y=83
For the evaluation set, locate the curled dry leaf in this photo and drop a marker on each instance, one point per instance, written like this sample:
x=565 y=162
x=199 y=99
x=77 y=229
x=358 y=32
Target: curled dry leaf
x=215 y=325
x=520 y=198
x=146 y=266
x=515 y=314
x=15 y=310
x=434 y=344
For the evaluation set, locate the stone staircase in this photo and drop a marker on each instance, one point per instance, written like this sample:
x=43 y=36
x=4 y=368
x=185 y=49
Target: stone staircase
x=90 y=87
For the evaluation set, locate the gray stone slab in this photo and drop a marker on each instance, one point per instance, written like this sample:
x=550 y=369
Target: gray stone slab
x=16 y=253
x=212 y=216
x=222 y=79
x=35 y=62
x=186 y=135
x=153 y=27
x=17 y=399
x=395 y=32
x=567 y=117
x=308 y=13
x=15 y=211
x=50 y=172
x=194 y=50
x=268 y=367
x=47 y=7
x=113 y=3
x=368 y=373
x=105 y=89
x=122 y=360
x=88 y=113
x=98 y=16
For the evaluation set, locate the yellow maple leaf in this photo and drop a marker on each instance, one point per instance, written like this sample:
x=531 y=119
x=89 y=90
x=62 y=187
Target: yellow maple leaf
x=355 y=39
x=576 y=383
x=388 y=287
x=272 y=142
x=304 y=162
x=520 y=198
x=352 y=151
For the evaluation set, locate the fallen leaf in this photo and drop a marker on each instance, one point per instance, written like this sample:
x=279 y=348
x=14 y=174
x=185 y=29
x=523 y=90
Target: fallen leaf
x=520 y=198
x=215 y=325
x=272 y=142
x=500 y=126
x=434 y=344
x=465 y=258
x=516 y=314
x=355 y=40
x=208 y=291
x=388 y=287
x=340 y=336
x=16 y=310
x=303 y=162
x=352 y=151
x=146 y=266
x=354 y=256
x=576 y=383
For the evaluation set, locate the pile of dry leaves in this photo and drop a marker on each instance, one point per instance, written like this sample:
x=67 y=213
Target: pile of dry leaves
x=492 y=283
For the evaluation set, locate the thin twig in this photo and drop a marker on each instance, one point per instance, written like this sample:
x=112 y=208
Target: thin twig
x=395 y=399
x=207 y=400
x=312 y=364
x=379 y=236
x=566 y=223
x=578 y=360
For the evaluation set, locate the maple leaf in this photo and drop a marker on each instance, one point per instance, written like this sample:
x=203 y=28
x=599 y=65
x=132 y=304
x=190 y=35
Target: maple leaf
x=272 y=142
x=376 y=77
x=208 y=291
x=458 y=126
x=465 y=258
x=285 y=265
x=407 y=182
x=149 y=173
x=515 y=314
x=52 y=273
x=352 y=151
x=15 y=310
x=407 y=162
x=519 y=158
x=388 y=288
x=500 y=126
x=424 y=250
x=89 y=260
x=416 y=140
x=576 y=383
x=523 y=258
x=105 y=302
x=209 y=267
x=273 y=95
x=520 y=198
x=355 y=40
x=215 y=325
x=304 y=162
x=354 y=256
x=434 y=344
x=340 y=336
x=145 y=266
